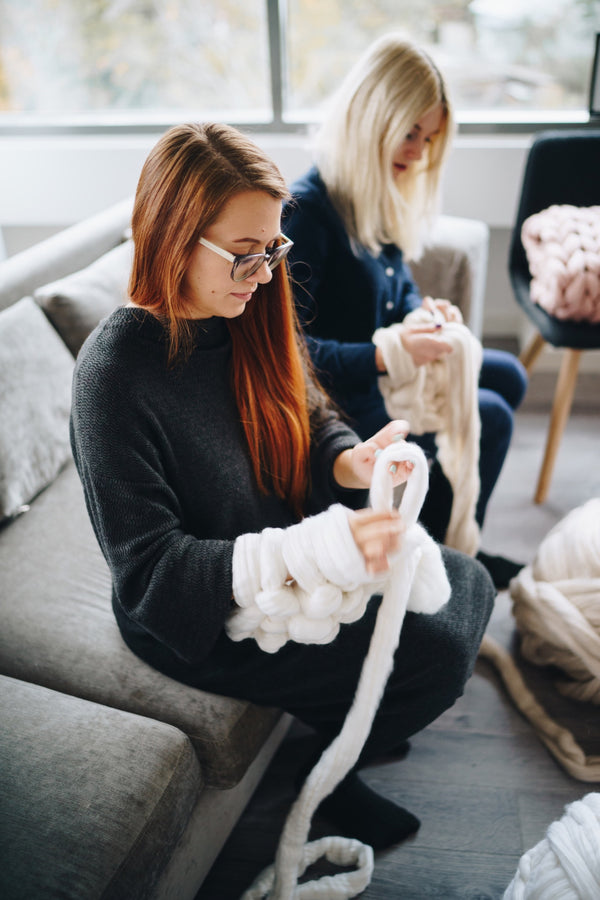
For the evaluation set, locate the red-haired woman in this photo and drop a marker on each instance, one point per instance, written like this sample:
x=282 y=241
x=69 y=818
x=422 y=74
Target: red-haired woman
x=196 y=420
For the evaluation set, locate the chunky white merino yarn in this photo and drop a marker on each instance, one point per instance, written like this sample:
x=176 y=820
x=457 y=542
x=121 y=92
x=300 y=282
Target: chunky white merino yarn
x=565 y=865
x=303 y=582
x=556 y=605
x=441 y=397
x=298 y=583
x=417 y=580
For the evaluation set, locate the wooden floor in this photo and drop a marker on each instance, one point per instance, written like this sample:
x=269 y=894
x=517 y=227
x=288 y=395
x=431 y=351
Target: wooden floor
x=480 y=780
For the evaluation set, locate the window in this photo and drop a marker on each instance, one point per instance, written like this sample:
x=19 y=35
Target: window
x=148 y=58
x=499 y=56
x=272 y=62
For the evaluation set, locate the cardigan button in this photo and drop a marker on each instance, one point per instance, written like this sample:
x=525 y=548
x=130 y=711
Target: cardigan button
x=389 y=304
x=390 y=271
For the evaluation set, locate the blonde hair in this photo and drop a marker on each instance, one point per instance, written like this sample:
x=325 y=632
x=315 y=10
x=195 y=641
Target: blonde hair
x=390 y=88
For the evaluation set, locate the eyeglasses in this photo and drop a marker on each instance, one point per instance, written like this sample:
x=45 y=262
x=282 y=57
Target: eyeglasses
x=247 y=264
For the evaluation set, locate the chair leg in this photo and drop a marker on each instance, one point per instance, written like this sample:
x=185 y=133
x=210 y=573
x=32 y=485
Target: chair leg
x=532 y=351
x=561 y=407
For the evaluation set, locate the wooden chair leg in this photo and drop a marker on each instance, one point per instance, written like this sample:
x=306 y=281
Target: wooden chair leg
x=532 y=351
x=561 y=407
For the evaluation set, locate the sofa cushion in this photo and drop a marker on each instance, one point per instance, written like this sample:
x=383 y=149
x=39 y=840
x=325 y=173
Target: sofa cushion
x=93 y=800
x=77 y=303
x=36 y=370
x=57 y=628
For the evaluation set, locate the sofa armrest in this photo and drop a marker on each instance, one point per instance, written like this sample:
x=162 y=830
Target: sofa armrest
x=453 y=266
x=63 y=253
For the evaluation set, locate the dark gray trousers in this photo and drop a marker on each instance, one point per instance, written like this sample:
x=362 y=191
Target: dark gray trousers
x=317 y=683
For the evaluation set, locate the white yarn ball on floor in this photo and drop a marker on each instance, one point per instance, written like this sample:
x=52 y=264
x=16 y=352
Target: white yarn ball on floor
x=565 y=865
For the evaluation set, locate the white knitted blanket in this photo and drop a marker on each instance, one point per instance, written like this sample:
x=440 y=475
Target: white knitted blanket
x=441 y=397
x=303 y=583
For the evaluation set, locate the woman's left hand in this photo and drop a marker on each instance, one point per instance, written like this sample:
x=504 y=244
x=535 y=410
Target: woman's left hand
x=354 y=468
x=442 y=310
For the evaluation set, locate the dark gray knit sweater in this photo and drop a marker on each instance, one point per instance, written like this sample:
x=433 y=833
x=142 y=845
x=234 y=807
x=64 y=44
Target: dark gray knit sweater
x=169 y=485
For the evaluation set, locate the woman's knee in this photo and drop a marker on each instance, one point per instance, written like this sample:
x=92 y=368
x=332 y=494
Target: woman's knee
x=497 y=419
x=437 y=653
x=504 y=374
x=462 y=624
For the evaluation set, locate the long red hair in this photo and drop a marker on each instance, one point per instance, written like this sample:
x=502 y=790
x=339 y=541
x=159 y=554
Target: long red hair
x=191 y=173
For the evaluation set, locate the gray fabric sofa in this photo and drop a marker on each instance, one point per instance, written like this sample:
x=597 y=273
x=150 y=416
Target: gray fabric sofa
x=115 y=781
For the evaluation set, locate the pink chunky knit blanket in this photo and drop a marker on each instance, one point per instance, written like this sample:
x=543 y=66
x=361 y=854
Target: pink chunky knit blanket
x=562 y=244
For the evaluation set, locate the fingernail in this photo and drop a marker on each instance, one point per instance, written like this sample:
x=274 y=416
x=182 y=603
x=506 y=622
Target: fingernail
x=398 y=437
x=377 y=452
x=393 y=468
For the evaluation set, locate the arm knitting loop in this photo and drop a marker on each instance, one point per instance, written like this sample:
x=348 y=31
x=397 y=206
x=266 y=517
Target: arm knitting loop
x=381 y=496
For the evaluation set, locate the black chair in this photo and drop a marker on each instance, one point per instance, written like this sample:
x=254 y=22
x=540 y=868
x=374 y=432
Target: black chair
x=563 y=167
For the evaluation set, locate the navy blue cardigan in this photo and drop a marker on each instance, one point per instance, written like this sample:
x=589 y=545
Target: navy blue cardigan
x=342 y=297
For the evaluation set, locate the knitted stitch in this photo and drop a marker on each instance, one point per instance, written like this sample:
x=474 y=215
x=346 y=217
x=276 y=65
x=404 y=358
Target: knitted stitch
x=417 y=580
x=562 y=244
x=441 y=397
x=566 y=863
x=298 y=583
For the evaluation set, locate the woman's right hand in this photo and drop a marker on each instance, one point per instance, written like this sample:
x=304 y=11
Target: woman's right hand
x=424 y=343
x=377 y=535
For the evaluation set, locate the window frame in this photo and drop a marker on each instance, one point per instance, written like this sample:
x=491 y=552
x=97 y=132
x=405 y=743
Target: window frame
x=479 y=122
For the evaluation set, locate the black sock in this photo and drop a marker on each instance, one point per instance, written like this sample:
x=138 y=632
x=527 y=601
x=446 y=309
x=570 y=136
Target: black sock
x=500 y=568
x=398 y=751
x=359 y=812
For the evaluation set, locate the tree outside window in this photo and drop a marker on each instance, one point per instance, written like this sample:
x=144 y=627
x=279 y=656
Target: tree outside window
x=161 y=60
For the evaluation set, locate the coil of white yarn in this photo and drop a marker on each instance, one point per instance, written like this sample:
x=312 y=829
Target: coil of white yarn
x=556 y=605
x=565 y=865
x=417 y=580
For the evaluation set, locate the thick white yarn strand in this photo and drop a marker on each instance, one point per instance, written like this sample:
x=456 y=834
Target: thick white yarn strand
x=565 y=865
x=556 y=605
x=298 y=583
x=442 y=397
x=280 y=882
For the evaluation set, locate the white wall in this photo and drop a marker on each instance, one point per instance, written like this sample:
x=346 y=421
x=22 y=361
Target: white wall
x=57 y=180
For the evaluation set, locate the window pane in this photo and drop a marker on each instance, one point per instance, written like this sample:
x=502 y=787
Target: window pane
x=508 y=55
x=82 y=56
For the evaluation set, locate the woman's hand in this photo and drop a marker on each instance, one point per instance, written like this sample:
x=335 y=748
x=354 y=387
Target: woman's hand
x=377 y=535
x=353 y=468
x=424 y=343
x=442 y=310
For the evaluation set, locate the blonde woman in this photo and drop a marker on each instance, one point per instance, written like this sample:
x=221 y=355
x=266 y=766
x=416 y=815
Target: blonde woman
x=356 y=217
